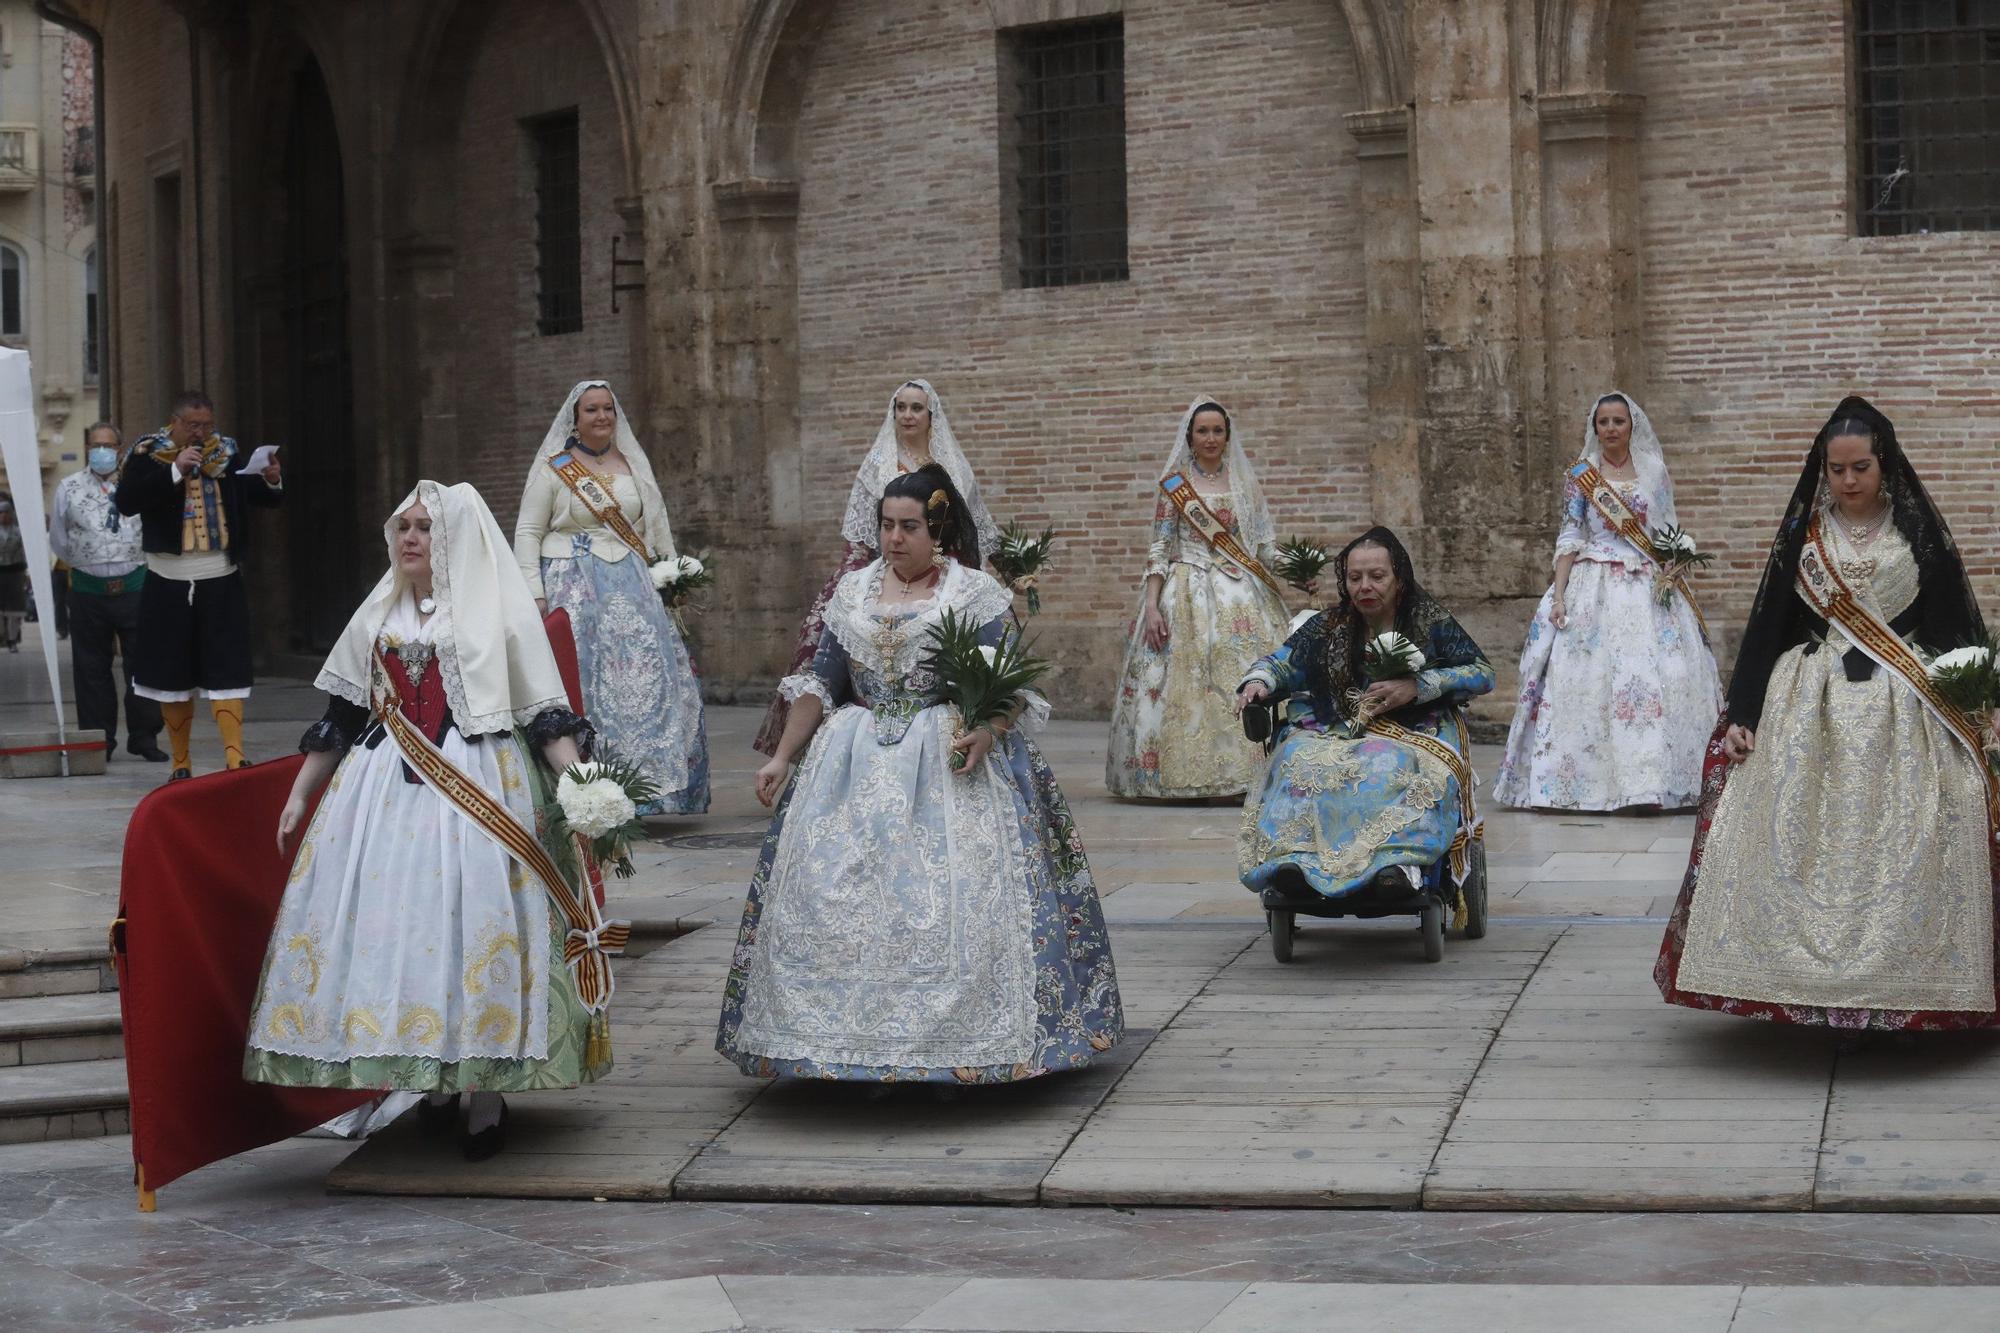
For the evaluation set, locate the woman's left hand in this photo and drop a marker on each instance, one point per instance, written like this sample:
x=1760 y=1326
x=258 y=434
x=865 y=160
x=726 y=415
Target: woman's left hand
x=975 y=745
x=1386 y=696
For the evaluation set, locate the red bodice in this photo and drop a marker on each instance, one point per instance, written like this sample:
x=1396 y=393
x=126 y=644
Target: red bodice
x=423 y=702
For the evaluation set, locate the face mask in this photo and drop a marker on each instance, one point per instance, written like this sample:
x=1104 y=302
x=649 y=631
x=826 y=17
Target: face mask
x=103 y=459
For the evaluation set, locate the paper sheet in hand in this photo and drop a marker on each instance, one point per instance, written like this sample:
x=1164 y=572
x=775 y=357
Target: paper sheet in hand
x=260 y=458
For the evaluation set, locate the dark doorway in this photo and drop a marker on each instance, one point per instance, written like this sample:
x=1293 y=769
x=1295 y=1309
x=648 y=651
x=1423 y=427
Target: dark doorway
x=309 y=407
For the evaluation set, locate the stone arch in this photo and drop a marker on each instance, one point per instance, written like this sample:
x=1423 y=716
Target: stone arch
x=1584 y=45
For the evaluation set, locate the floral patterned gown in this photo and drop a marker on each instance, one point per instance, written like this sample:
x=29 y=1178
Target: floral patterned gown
x=1615 y=709
x=1174 y=731
x=907 y=923
x=1341 y=804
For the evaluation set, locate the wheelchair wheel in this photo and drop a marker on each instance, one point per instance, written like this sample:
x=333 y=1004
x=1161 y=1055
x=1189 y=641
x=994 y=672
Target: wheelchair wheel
x=1282 y=928
x=1475 y=894
x=1431 y=922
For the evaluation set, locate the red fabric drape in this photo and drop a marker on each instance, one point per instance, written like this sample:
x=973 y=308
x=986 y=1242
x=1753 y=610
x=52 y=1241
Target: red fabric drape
x=199 y=890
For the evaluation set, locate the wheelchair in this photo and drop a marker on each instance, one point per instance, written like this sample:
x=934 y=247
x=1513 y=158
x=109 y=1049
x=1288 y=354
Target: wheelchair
x=1429 y=895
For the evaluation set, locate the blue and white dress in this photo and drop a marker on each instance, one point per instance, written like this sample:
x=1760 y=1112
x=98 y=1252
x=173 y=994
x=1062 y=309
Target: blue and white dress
x=1340 y=804
x=906 y=922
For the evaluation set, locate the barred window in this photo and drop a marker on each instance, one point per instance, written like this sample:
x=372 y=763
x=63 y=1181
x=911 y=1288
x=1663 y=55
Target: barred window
x=1067 y=114
x=1929 y=115
x=552 y=141
x=13 y=292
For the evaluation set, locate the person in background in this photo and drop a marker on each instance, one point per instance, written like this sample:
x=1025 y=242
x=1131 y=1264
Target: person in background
x=107 y=567
x=185 y=485
x=13 y=575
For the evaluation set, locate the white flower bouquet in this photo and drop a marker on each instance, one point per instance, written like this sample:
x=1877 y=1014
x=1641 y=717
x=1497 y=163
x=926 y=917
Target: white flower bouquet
x=983 y=682
x=679 y=576
x=1970 y=679
x=1674 y=553
x=1020 y=561
x=598 y=802
x=1391 y=656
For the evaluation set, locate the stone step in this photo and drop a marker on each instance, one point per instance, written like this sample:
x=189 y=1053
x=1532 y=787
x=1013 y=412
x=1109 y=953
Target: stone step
x=79 y=970
x=84 y=1100
x=60 y=1029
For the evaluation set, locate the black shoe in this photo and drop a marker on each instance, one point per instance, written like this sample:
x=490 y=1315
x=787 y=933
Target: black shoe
x=435 y=1119
x=146 y=750
x=180 y=775
x=487 y=1142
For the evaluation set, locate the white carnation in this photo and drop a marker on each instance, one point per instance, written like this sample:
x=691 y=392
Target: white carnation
x=1960 y=658
x=1394 y=645
x=664 y=572
x=593 y=807
x=687 y=566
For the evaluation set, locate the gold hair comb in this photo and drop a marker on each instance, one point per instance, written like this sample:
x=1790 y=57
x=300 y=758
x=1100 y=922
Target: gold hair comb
x=938 y=500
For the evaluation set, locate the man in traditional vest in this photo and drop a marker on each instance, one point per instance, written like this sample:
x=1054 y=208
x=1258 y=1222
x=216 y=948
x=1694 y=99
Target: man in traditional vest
x=184 y=486
x=107 y=567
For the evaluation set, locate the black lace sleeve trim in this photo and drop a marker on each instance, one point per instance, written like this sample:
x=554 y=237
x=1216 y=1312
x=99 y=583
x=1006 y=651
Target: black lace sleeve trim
x=337 y=730
x=554 y=723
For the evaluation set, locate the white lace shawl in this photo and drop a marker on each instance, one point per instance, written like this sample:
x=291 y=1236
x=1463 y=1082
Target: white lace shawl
x=1246 y=495
x=878 y=469
x=493 y=652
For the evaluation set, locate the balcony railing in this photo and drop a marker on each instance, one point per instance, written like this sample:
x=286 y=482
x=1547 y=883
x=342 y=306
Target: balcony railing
x=20 y=158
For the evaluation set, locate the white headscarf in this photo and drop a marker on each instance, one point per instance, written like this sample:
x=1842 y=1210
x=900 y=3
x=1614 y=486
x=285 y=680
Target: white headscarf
x=562 y=431
x=1246 y=495
x=492 y=650
x=879 y=469
x=1649 y=461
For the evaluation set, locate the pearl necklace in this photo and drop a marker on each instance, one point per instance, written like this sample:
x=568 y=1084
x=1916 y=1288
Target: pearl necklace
x=1862 y=533
x=1204 y=472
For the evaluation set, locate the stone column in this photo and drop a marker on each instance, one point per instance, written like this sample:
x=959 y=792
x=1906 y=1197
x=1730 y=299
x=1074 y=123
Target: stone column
x=1591 y=254
x=1394 y=321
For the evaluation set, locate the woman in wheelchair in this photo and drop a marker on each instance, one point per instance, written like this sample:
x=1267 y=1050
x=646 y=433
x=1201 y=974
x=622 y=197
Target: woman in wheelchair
x=1369 y=785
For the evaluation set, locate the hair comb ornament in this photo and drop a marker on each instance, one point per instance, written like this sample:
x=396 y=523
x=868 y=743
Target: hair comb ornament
x=938 y=500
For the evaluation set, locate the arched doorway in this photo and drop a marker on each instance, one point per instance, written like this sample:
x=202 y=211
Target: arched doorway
x=304 y=395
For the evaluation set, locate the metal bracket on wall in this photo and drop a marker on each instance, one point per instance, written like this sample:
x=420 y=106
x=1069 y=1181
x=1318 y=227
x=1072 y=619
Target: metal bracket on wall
x=616 y=264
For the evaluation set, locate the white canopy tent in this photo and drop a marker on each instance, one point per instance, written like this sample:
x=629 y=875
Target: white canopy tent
x=21 y=454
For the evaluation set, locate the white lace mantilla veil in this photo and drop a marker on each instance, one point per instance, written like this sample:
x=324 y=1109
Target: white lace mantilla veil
x=1246 y=494
x=492 y=650
x=564 y=426
x=1649 y=460
x=879 y=468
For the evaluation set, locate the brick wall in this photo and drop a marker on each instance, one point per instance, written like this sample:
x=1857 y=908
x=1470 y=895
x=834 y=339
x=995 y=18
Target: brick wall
x=1763 y=308
x=529 y=58
x=1246 y=283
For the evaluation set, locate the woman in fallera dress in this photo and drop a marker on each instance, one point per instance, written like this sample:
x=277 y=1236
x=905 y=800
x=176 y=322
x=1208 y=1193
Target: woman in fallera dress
x=1844 y=870
x=413 y=950
x=592 y=523
x=908 y=922
x=1352 y=790
x=1619 y=690
x=914 y=433
x=1206 y=613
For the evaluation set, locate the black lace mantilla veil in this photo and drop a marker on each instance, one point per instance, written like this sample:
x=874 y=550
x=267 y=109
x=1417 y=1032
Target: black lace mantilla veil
x=1945 y=616
x=1330 y=644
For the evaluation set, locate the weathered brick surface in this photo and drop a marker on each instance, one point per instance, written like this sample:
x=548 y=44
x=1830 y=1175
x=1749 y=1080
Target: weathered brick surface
x=1763 y=306
x=1246 y=283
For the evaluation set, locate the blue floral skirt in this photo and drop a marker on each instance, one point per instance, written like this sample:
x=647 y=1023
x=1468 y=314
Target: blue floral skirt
x=639 y=685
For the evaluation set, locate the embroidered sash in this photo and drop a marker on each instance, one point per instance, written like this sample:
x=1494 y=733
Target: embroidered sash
x=1611 y=506
x=1212 y=529
x=1471 y=828
x=1819 y=582
x=602 y=504
x=588 y=939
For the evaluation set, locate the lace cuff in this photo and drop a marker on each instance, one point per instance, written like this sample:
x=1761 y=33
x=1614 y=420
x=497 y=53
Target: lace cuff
x=552 y=724
x=1430 y=685
x=325 y=735
x=1263 y=675
x=794 y=687
x=1034 y=714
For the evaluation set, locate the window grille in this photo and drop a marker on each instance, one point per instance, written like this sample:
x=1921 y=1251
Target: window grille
x=90 y=316
x=1929 y=115
x=1069 y=142
x=13 y=269
x=558 y=224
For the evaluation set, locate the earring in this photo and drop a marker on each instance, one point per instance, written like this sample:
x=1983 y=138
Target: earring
x=939 y=559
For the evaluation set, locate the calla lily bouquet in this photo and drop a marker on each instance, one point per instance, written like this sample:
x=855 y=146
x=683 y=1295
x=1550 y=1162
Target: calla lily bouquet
x=1300 y=563
x=1969 y=677
x=1391 y=656
x=1020 y=561
x=599 y=802
x=983 y=682
x=1674 y=554
x=677 y=578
